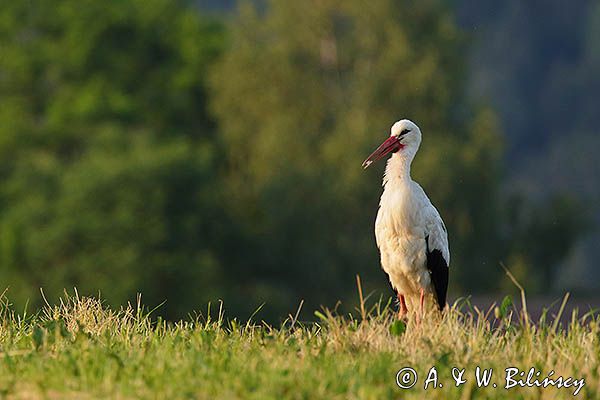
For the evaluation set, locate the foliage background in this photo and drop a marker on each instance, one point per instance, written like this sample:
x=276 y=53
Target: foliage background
x=197 y=152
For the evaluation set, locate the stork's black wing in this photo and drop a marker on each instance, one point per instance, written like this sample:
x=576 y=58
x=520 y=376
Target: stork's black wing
x=438 y=269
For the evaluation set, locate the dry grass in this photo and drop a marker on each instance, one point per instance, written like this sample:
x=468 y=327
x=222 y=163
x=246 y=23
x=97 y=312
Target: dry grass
x=81 y=349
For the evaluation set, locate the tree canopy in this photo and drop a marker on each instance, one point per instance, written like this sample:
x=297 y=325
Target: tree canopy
x=146 y=147
x=107 y=151
x=304 y=93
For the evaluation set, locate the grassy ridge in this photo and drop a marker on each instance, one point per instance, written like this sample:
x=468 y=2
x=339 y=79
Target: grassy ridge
x=81 y=349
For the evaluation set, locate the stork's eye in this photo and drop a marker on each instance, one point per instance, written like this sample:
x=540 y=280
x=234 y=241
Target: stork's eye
x=404 y=132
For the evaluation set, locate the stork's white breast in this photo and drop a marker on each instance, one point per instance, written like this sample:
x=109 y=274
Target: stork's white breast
x=400 y=230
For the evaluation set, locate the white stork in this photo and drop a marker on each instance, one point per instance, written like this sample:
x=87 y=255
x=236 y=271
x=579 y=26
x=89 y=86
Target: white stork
x=409 y=231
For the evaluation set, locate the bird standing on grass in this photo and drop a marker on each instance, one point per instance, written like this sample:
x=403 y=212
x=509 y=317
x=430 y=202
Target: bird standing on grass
x=409 y=231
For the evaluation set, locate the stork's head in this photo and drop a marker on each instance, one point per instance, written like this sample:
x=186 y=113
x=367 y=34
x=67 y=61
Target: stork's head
x=405 y=138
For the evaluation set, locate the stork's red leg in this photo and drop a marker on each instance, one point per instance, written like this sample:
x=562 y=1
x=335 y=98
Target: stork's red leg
x=422 y=300
x=403 y=309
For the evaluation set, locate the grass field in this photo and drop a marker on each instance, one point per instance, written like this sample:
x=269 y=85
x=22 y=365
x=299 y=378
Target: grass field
x=81 y=349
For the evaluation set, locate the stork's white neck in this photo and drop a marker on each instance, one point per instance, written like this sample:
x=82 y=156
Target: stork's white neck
x=397 y=170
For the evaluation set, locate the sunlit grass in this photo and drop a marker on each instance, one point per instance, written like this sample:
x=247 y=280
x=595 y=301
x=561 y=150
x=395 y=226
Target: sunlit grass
x=79 y=348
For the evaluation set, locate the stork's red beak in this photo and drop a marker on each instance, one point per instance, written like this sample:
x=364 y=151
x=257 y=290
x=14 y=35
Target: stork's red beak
x=391 y=145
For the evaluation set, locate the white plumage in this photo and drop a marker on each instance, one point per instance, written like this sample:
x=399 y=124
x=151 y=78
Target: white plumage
x=410 y=233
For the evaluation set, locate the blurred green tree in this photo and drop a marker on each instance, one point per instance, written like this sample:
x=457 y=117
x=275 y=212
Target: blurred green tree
x=538 y=236
x=546 y=94
x=107 y=153
x=306 y=91
x=115 y=177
